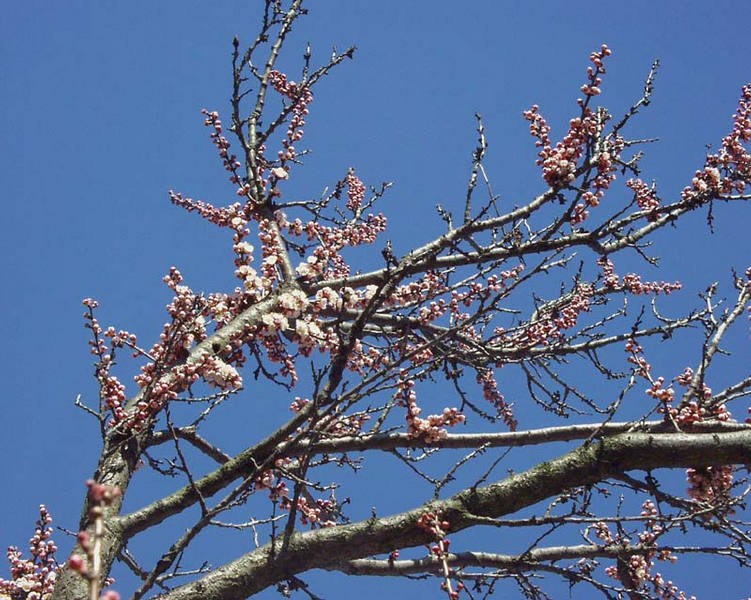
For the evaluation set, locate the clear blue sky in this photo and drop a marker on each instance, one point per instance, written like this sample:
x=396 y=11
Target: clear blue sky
x=101 y=116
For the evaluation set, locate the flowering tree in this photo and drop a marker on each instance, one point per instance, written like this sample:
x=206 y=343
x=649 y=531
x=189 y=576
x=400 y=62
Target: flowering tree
x=356 y=347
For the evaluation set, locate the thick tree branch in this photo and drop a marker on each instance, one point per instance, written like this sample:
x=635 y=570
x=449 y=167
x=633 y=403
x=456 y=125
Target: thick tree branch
x=594 y=462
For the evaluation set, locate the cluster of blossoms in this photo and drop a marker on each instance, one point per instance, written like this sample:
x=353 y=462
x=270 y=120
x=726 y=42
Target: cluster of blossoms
x=222 y=216
x=432 y=523
x=301 y=320
x=326 y=259
x=486 y=379
x=112 y=391
x=438 y=529
x=169 y=356
x=549 y=328
x=636 y=358
x=632 y=283
x=300 y=97
x=591 y=88
x=710 y=485
x=729 y=170
x=271 y=251
x=608 y=155
x=698 y=409
x=308 y=334
x=639 y=567
x=298 y=404
x=693 y=410
x=417 y=354
x=426 y=430
x=33 y=578
x=355 y=191
x=254 y=285
x=313 y=515
x=331 y=302
x=364 y=360
x=293 y=303
x=607 y=165
x=664 y=395
x=559 y=163
x=724 y=173
x=186 y=329
x=278 y=490
x=707 y=182
x=418 y=291
x=434 y=310
x=646 y=197
x=222 y=143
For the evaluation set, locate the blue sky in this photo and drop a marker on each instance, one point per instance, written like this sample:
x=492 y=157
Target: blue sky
x=102 y=116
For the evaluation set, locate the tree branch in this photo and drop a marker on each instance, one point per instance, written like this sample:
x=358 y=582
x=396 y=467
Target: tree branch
x=594 y=462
